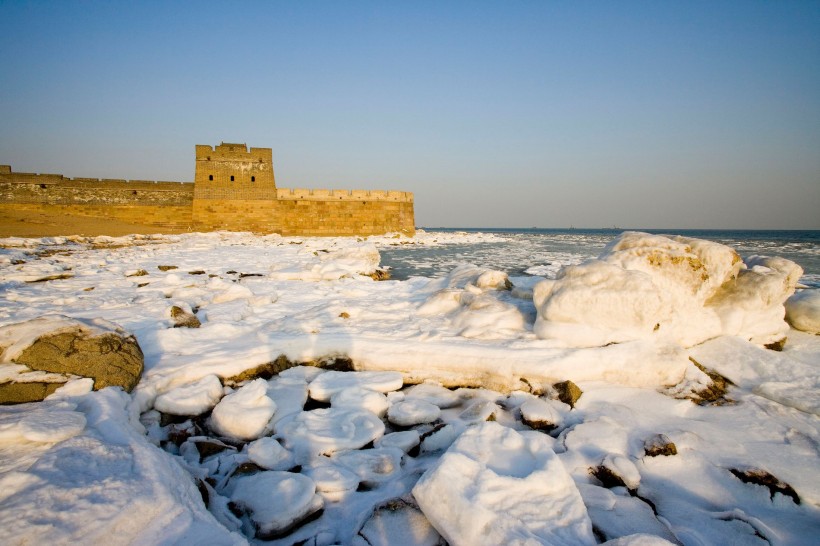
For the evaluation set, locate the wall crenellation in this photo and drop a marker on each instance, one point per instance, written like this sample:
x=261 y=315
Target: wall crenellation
x=234 y=189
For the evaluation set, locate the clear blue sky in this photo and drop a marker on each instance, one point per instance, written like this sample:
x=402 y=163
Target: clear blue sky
x=516 y=114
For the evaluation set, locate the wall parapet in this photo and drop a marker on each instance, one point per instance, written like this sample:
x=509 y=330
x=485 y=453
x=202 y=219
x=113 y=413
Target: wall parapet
x=305 y=194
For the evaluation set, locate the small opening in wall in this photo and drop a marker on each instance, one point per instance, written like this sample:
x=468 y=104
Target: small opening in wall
x=253 y=179
x=134 y=192
x=231 y=178
x=210 y=177
x=42 y=186
x=209 y=158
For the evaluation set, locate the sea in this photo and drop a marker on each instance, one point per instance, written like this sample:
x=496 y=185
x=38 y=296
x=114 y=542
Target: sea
x=542 y=252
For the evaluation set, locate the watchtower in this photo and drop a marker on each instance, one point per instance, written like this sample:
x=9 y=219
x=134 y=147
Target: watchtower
x=231 y=171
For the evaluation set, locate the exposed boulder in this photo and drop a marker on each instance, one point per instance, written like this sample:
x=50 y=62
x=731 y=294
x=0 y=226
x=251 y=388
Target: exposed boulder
x=568 y=392
x=658 y=445
x=70 y=348
x=183 y=319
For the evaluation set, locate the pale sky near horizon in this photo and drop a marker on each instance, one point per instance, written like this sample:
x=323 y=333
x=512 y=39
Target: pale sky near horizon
x=648 y=114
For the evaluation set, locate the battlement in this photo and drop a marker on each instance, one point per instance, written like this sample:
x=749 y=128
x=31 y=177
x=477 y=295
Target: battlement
x=299 y=194
x=233 y=189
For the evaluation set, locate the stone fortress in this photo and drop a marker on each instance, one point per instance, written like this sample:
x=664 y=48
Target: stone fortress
x=234 y=189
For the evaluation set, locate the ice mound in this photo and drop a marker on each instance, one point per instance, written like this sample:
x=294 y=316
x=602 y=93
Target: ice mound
x=192 y=399
x=682 y=289
x=244 y=414
x=275 y=501
x=326 y=385
x=803 y=311
x=324 y=431
x=498 y=486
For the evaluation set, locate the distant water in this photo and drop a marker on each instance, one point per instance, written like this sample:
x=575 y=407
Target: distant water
x=544 y=251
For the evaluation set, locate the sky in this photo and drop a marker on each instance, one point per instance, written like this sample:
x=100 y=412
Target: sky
x=654 y=114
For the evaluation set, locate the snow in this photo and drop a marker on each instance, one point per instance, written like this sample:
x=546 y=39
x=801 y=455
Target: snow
x=494 y=486
x=244 y=414
x=84 y=466
x=326 y=385
x=192 y=399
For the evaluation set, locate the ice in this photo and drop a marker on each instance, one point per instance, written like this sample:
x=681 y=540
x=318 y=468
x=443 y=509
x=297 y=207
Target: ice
x=623 y=516
x=803 y=311
x=326 y=385
x=412 y=412
x=497 y=486
x=244 y=414
x=682 y=289
x=324 y=431
x=269 y=454
x=276 y=501
x=192 y=399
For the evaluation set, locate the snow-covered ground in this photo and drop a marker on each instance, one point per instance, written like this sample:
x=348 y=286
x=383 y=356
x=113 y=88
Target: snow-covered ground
x=483 y=451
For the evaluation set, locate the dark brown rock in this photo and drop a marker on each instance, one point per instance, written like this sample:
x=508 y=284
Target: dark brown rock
x=568 y=392
x=166 y=267
x=20 y=393
x=184 y=319
x=776 y=345
x=761 y=477
x=138 y=273
x=659 y=445
x=110 y=358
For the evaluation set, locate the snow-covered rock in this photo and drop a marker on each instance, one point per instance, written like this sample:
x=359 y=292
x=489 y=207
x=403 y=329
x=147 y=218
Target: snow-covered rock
x=412 y=412
x=372 y=466
x=540 y=414
x=404 y=440
x=325 y=431
x=192 y=399
x=326 y=385
x=244 y=414
x=682 y=289
x=498 y=486
x=360 y=398
x=803 y=311
x=333 y=482
x=72 y=347
x=269 y=454
x=275 y=501
x=435 y=394
x=398 y=524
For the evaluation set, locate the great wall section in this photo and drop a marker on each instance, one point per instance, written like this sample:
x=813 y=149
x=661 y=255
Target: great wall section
x=234 y=189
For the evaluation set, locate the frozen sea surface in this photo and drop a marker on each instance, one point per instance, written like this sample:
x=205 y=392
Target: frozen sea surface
x=543 y=252
x=190 y=457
